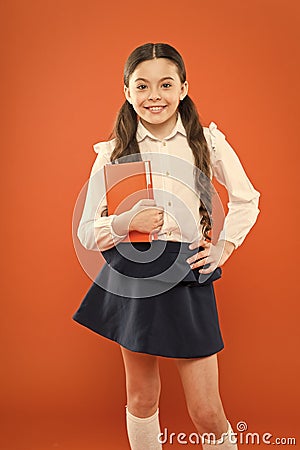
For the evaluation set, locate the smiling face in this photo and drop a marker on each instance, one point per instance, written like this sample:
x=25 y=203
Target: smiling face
x=155 y=91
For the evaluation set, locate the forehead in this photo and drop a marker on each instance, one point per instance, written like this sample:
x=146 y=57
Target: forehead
x=155 y=69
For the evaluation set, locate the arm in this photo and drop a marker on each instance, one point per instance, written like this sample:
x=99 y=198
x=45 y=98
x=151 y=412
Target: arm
x=243 y=198
x=95 y=232
x=242 y=206
x=99 y=232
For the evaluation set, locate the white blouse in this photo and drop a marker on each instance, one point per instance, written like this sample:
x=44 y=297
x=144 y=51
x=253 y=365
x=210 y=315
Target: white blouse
x=172 y=164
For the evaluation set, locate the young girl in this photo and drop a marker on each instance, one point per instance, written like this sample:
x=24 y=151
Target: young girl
x=157 y=299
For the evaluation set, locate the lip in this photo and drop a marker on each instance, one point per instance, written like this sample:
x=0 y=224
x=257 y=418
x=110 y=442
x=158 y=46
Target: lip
x=155 y=106
x=161 y=108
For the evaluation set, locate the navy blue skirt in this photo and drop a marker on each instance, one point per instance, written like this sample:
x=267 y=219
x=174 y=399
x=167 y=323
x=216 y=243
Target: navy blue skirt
x=147 y=299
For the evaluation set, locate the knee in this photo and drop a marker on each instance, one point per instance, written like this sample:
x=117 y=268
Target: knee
x=207 y=418
x=143 y=403
x=143 y=391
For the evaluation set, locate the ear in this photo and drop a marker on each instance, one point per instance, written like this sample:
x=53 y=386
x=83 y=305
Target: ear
x=184 y=90
x=127 y=94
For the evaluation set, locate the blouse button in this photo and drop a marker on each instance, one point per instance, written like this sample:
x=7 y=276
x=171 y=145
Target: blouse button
x=167 y=173
x=164 y=143
x=169 y=233
x=169 y=204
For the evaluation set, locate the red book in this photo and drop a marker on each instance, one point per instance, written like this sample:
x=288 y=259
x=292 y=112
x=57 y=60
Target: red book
x=126 y=184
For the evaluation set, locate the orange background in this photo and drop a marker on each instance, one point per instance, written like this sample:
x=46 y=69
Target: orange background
x=62 y=386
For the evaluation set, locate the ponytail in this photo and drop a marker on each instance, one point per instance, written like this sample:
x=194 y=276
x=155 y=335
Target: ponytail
x=125 y=132
x=198 y=144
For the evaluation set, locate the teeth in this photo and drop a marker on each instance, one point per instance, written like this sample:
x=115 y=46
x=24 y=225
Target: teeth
x=156 y=108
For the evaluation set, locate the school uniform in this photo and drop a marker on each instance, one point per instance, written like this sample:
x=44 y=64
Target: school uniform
x=146 y=297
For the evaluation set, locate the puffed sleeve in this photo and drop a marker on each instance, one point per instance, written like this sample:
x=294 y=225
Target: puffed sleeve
x=95 y=232
x=243 y=198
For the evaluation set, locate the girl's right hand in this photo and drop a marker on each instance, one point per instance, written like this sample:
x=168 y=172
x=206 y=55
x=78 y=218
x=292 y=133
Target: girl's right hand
x=147 y=217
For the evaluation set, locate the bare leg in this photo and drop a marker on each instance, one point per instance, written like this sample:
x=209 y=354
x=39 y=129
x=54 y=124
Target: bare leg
x=143 y=383
x=143 y=388
x=199 y=378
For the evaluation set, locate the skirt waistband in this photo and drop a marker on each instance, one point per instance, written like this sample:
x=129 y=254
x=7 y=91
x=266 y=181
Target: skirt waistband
x=158 y=260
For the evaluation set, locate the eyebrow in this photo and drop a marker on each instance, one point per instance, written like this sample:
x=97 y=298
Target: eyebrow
x=162 y=79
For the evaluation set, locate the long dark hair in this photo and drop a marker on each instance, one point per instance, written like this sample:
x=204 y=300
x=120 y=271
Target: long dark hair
x=125 y=127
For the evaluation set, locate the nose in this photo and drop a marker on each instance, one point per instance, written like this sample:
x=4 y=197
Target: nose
x=154 y=95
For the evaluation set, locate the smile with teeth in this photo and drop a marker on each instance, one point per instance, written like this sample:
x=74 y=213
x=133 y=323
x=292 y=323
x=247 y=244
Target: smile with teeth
x=155 y=108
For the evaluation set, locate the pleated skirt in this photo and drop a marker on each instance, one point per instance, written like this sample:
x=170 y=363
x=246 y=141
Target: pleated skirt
x=147 y=299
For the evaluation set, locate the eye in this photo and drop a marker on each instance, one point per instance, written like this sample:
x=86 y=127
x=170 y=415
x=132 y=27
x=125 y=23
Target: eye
x=167 y=85
x=141 y=87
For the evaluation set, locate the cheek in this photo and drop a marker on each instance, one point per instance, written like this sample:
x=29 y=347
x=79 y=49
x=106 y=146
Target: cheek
x=140 y=97
x=172 y=95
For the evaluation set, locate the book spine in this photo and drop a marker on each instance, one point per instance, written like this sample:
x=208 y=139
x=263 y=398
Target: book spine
x=106 y=188
x=150 y=189
x=149 y=179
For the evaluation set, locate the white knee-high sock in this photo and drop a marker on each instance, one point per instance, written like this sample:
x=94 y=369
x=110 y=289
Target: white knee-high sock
x=227 y=441
x=143 y=431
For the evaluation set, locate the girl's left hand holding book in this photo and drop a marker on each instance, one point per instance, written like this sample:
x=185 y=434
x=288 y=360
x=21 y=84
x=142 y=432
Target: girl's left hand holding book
x=214 y=255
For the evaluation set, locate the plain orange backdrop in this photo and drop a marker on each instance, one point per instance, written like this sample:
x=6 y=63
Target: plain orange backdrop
x=63 y=386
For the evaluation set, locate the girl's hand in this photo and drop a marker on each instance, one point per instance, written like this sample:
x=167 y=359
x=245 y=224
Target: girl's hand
x=144 y=217
x=147 y=218
x=215 y=255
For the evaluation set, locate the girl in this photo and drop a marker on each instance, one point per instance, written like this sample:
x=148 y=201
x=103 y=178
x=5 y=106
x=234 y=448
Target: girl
x=138 y=300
